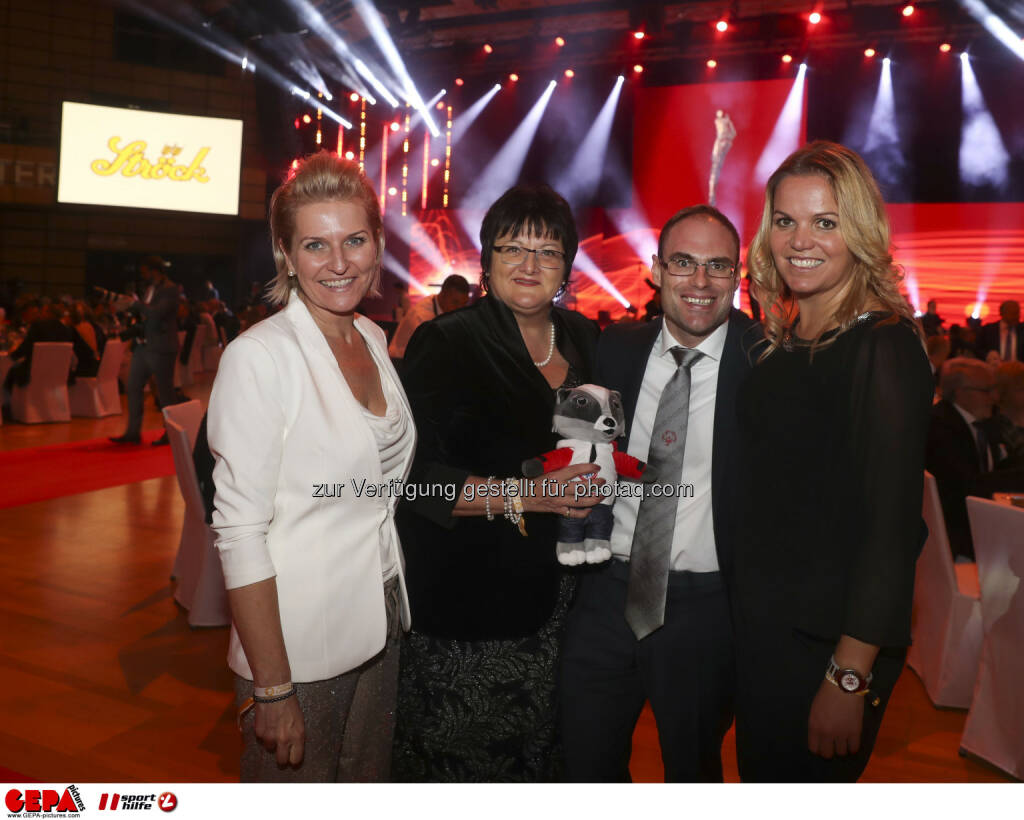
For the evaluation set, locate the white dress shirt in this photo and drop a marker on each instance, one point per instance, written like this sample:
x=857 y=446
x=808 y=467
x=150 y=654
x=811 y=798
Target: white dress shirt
x=693 y=541
x=283 y=428
x=1007 y=342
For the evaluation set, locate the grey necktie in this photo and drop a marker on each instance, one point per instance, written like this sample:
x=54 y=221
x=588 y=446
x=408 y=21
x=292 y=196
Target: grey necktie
x=656 y=518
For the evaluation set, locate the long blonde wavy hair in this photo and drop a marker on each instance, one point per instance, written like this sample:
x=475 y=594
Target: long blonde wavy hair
x=864 y=225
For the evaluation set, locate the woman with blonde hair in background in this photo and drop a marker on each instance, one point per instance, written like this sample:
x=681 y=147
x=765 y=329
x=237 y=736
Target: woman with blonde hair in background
x=306 y=404
x=833 y=420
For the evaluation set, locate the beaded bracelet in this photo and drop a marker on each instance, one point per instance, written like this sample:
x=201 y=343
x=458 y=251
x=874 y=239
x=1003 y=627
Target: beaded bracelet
x=487 y=499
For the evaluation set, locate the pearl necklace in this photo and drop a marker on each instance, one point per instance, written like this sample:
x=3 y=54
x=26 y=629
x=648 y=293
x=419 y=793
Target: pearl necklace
x=551 y=350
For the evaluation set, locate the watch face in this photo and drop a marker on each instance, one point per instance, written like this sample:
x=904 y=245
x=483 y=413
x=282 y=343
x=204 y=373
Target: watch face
x=849 y=682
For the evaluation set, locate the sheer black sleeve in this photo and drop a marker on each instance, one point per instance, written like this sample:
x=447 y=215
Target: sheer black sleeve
x=889 y=405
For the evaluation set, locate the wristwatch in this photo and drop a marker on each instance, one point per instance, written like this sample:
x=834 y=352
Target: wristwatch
x=849 y=680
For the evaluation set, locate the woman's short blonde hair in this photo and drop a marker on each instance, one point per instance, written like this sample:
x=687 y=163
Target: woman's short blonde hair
x=864 y=225
x=320 y=177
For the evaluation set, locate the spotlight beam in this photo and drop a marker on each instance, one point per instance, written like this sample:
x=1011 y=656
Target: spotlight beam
x=585 y=265
x=785 y=136
x=994 y=25
x=467 y=117
x=584 y=174
x=503 y=170
x=272 y=74
x=371 y=17
x=984 y=159
x=882 y=147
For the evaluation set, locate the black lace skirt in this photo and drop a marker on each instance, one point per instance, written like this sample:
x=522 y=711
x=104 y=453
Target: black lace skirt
x=480 y=711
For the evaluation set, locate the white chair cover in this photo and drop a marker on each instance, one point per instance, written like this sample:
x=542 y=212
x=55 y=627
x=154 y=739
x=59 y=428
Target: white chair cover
x=97 y=397
x=994 y=730
x=45 y=397
x=211 y=357
x=946 y=627
x=197 y=568
x=187 y=415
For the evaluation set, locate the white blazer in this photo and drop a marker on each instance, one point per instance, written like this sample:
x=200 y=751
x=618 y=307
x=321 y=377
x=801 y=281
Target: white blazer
x=282 y=419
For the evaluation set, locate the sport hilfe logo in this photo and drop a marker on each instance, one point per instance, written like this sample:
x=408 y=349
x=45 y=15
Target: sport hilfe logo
x=48 y=801
x=137 y=802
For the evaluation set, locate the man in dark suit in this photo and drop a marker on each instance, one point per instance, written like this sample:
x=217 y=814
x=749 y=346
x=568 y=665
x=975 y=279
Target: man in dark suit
x=1005 y=337
x=682 y=661
x=155 y=348
x=961 y=450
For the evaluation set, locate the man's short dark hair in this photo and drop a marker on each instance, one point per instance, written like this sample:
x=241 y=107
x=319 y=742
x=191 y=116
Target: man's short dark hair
x=538 y=209
x=455 y=282
x=700 y=210
x=154 y=262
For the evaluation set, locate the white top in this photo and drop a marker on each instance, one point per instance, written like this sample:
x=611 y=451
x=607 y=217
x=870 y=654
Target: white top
x=290 y=442
x=423 y=311
x=394 y=433
x=693 y=541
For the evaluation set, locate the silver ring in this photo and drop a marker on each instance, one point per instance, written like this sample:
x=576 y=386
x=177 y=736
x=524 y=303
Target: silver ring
x=568 y=509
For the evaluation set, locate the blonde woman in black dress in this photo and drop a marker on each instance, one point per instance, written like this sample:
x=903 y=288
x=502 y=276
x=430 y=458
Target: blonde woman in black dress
x=832 y=421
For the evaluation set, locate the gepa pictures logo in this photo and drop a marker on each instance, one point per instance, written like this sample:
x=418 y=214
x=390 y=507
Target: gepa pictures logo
x=44 y=802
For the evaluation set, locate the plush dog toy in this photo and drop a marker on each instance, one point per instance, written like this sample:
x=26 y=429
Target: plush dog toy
x=589 y=418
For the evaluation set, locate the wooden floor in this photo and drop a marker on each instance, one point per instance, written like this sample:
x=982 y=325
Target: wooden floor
x=105 y=681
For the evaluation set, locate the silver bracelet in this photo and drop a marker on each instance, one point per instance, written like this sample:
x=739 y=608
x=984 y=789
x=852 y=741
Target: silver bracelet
x=487 y=499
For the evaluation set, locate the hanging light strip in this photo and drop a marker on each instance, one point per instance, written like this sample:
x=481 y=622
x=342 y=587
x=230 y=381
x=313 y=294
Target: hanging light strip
x=447 y=157
x=426 y=168
x=384 y=169
x=362 y=135
x=405 y=167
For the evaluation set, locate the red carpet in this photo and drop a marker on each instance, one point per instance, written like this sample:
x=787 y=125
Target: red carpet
x=41 y=473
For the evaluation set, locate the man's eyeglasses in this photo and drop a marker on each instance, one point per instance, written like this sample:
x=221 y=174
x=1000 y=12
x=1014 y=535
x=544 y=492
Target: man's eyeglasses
x=686 y=266
x=514 y=255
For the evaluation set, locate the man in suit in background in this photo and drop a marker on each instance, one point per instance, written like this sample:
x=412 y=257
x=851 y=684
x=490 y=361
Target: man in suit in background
x=1005 y=337
x=962 y=449
x=453 y=295
x=156 y=346
x=615 y=653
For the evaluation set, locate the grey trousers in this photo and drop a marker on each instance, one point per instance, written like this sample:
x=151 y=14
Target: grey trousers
x=349 y=720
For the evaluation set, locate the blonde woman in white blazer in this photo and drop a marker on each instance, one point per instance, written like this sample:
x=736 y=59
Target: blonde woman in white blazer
x=305 y=408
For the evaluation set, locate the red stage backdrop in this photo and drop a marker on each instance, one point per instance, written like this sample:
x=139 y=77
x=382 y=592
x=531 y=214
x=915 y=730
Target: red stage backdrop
x=958 y=254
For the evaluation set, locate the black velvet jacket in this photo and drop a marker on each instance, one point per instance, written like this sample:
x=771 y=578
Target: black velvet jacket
x=481 y=407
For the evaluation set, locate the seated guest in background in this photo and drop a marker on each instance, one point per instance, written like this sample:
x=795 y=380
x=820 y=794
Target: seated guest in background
x=931 y=321
x=83 y=321
x=228 y=325
x=85 y=362
x=833 y=419
x=314 y=580
x=454 y=294
x=208 y=292
x=205 y=319
x=477 y=689
x=45 y=326
x=963 y=448
x=1004 y=338
x=1008 y=420
x=961 y=342
x=938 y=352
